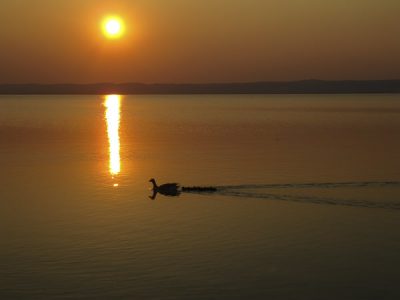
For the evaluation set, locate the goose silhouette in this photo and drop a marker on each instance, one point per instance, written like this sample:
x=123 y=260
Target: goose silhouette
x=166 y=189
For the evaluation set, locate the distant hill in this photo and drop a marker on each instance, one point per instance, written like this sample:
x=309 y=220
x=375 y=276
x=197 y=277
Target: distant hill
x=292 y=87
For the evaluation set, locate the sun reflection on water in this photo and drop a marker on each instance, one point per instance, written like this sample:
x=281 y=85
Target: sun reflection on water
x=113 y=115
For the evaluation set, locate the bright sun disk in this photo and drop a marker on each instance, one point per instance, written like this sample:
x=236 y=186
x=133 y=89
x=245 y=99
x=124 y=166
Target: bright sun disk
x=113 y=27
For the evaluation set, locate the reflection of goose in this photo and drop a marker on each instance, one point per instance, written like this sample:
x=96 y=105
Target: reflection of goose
x=166 y=189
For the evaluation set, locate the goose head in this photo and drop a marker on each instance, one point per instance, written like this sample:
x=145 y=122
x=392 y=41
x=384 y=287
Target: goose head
x=152 y=180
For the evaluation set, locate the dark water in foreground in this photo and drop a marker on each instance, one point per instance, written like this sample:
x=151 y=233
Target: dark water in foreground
x=307 y=207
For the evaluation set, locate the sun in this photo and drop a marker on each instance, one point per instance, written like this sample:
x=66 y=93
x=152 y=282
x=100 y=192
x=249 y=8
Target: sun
x=113 y=27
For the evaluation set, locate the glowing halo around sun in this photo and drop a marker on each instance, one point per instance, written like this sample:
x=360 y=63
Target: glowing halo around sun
x=113 y=27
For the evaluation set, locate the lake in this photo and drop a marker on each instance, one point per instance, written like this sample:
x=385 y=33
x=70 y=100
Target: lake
x=307 y=204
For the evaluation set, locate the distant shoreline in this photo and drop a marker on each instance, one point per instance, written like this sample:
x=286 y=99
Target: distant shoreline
x=265 y=87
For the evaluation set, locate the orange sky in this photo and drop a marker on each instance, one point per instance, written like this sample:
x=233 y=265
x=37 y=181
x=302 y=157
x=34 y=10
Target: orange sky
x=48 y=41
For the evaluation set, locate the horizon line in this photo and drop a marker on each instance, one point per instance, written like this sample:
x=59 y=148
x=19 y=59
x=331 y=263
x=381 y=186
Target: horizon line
x=198 y=83
x=311 y=86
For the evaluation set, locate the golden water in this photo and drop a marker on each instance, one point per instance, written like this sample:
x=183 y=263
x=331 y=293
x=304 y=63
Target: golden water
x=76 y=220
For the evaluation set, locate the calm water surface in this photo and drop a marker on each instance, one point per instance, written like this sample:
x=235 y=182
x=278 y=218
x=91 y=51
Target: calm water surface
x=308 y=205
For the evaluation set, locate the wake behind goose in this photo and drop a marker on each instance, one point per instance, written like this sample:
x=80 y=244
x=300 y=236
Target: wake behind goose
x=249 y=191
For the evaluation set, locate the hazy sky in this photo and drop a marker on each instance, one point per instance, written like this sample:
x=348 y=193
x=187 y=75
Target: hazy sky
x=199 y=40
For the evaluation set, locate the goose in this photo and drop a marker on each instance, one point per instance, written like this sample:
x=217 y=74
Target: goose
x=166 y=189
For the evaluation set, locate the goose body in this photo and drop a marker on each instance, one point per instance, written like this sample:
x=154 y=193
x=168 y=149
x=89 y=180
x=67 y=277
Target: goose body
x=167 y=189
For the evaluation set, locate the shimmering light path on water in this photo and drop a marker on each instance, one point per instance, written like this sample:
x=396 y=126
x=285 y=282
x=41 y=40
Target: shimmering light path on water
x=113 y=116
